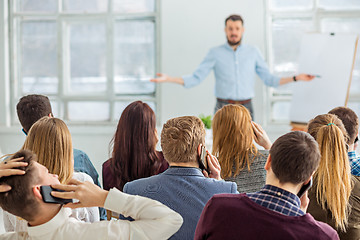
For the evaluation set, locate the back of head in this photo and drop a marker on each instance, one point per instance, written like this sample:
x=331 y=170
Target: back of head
x=134 y=144
x=233 y=138
x=180 y=138
x=350 y=121
x=31 y=108
x=50 y=139
x=294 y=157
x=332 y=179
x=20 y=200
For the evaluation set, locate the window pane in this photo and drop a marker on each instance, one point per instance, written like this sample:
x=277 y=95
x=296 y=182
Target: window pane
x=55 y=107
x=286 y=41
x=38 y=54
x=89 y=111
x=85 y=5
x=134 y=57
x=37 y=5
x=346 y=25
x=131 y=6
x=291 y=4
x=336 y=4
x=280 y=111
x=87 y=58
x=120 y=106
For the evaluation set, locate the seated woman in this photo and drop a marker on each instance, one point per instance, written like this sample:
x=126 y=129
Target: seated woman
x=332 y=193
x=233 y=144
x=134 y=152
x=50 y=139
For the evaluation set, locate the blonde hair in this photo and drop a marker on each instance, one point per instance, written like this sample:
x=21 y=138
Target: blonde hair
x=332 y=178
x=50 y=139
x=180 y=138
x=233 y=139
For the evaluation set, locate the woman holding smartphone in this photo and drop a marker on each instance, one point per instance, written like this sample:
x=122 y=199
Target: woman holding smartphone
x=233 y=144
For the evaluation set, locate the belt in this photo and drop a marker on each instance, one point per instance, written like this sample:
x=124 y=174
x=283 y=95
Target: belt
x=234 y=101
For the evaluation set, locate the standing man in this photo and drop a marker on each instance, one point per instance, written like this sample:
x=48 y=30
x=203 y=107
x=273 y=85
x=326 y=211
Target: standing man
x=234 y=65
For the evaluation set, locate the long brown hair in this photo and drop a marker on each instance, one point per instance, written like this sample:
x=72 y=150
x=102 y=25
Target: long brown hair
x=134 y=153
x=332 y=178
x=50 y=139
x=233 y=139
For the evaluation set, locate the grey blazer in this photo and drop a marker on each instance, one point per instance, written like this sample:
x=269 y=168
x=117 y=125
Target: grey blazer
x=183 y=189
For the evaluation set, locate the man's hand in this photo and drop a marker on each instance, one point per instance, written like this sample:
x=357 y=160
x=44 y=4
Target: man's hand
x=6 y=169
x=88 y=194
x=304 y=202
x=305 y=77
x=162 y=77
x=214 y=167
x=261 y=137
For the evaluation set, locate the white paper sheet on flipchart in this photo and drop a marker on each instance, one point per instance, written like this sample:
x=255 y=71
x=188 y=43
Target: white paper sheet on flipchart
x=331 y=57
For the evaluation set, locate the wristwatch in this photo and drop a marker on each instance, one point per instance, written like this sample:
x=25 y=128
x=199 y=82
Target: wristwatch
x=294 y=78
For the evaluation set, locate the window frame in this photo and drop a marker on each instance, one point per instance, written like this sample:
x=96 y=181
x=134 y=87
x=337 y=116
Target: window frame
x=62 y=20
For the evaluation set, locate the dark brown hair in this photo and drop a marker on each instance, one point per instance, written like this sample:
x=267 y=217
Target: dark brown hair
x=31 y=108
x=134 y=155
x=180 y=138
x=234 y=17
x=20 y=200
x=350 y=121
x=294 y=157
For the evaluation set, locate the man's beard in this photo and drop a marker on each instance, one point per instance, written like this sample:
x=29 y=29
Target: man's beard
x=234 y=43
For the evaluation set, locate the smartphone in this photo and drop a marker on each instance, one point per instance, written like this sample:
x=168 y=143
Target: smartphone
x=203 y=159
x=48 y=198
x=304 y=188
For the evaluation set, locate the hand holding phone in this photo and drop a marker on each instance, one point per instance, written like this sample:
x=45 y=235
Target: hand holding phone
x=48 y=198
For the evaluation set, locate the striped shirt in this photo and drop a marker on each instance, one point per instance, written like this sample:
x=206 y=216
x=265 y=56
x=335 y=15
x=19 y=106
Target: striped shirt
x=354 y=163
x=277 y=200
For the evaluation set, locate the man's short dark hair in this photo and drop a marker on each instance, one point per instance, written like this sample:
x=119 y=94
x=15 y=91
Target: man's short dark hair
x=20 y=200
x=294 y=157
x=350 y=121
x=234 y=17
x=31 y=108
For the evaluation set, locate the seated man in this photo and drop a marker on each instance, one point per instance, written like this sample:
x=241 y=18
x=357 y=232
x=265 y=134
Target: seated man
x=351 y=124
x=50 y=221
x=183 y=187
x=31 y=108
x=276 y=211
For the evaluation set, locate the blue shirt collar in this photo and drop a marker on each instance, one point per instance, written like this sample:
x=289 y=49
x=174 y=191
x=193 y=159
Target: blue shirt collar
x=279 y=192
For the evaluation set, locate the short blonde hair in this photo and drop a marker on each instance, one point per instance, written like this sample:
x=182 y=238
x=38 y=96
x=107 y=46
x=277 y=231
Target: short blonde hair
x=50 y=139
x=180 y=138
x=233 y=138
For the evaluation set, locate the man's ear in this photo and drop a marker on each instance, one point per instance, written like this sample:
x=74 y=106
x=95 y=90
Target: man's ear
x=268 y=163
x=37 y=193
x=199 y=149
x=50 y=115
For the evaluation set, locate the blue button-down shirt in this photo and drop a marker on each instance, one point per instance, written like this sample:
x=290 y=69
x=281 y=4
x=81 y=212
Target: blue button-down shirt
x=354 y=163
x=278 y=200
x=234 y=71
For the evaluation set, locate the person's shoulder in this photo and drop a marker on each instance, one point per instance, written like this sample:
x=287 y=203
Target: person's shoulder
x=321 y=229
x=82 y=177
x=14 y=235
x=143 y=183
x=106 y=164
x=226 y=186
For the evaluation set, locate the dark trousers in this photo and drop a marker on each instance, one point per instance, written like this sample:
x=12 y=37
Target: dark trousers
x=249 y=106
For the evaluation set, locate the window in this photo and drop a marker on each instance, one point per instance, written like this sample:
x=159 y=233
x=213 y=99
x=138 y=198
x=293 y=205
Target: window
x=91 y=57
x=287 y=21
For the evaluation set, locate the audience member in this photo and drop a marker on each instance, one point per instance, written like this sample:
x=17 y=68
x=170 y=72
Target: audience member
x=233 y=145
x=351 y=124
x=134 y=152
x=48 y=221
x=183 y=187
x=50 y=139
x=275 y=212
x=332 y=191
x=33 y=107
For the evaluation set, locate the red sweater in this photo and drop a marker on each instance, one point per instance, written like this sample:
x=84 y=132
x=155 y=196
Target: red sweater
x=235 y=216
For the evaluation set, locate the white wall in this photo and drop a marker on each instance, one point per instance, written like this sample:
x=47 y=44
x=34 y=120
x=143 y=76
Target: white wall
x=188 y=29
